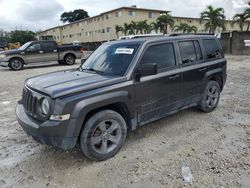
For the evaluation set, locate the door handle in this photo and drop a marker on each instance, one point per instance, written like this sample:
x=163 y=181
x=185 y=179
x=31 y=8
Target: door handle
x=174 y=77
x=203 y=69
x=40 y=52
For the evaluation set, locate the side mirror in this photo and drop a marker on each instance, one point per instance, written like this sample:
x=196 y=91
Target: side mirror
x=146 y=70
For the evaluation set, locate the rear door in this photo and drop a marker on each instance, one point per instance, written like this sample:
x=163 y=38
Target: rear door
x=158 y=95
x=50 y=51
x=193 y=71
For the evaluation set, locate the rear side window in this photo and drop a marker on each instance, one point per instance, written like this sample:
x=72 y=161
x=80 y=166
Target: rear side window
x=162 y=54
x=49 y=46
x=198 y=50
x=212 y=48
x=190 y=51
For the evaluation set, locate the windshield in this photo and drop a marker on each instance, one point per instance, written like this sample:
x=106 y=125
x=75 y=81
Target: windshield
x=111 y=59
x=23 y=47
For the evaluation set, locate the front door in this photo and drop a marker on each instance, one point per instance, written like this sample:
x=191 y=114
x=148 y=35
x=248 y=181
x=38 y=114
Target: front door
x=33 y=53
x=158 y=95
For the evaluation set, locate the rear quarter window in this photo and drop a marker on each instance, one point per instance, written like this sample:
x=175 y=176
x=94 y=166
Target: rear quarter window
x=212 y=48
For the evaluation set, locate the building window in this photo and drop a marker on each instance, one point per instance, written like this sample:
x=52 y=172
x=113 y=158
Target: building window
x=151 y=15
x=109 y=29
x=108 y=16
x=118 y=14
x=131 y=13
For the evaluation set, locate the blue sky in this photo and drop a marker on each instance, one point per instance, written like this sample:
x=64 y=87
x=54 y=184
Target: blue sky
x=41 y=14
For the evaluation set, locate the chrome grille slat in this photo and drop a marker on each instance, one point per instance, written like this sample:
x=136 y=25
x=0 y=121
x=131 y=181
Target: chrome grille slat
x=29 y=102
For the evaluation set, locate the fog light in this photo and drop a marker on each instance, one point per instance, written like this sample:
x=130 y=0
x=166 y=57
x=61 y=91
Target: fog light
x=59 y=117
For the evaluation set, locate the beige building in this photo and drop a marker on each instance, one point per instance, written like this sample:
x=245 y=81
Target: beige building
x=102 y=27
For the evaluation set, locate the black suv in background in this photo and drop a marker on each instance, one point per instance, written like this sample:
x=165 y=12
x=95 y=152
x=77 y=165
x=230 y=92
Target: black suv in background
x=121 y=86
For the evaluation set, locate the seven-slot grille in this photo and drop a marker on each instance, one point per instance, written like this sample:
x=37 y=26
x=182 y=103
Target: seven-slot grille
x=29 y=102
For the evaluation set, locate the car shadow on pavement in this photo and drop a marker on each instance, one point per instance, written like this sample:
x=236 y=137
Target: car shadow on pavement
x=74 y=156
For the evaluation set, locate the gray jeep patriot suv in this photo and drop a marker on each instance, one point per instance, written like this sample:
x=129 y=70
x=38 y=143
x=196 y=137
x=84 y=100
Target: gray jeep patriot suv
x=121 y=86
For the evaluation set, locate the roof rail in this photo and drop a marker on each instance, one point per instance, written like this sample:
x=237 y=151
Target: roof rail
x=183 y=34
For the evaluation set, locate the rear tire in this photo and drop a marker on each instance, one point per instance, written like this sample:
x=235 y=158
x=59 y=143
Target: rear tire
x=16 y=64
x=210 y=97
x=103 y=135
x=69 y=59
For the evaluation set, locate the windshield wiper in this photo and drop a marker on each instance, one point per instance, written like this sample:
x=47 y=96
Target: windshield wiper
x=92 y=70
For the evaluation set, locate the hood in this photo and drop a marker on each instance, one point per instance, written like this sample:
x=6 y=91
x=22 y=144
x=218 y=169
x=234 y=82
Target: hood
x=11 y=52
x=63 y=83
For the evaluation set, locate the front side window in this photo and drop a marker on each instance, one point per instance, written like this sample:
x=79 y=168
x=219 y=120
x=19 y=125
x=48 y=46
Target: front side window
x=162 y=55
x=111 y=59
x=34 y=47
x=212 y=48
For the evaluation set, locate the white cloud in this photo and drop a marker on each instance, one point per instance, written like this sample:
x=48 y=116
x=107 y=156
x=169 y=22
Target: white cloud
x=41 y=14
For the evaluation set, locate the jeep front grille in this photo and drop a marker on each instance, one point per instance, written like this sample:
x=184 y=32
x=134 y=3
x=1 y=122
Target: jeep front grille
x=29 y=102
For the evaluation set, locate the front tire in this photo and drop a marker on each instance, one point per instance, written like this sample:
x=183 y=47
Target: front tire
x=16 y=64
x=69 y=59
x=210 y=97
x=103 y=135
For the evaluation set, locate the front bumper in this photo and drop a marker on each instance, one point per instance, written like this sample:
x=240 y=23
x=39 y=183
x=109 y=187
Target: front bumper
x=4 y=63
x=48 y=132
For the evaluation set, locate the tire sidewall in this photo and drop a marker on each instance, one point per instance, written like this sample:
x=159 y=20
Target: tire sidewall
x=90 y=126
x=69 y=55
x=203 y=104
x=11 y=64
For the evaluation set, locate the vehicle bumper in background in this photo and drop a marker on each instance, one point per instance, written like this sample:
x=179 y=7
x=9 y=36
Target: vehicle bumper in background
x=44 y=133
x=4 y=63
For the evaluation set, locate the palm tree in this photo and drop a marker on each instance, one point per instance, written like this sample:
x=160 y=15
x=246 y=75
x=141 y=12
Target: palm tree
x=126 y=28
x=213 y=18
x=183 y=27
x=142 y=26
x=133 y=28
x=241 y=19
x=164 y=22
x=154 y=26
x=192 y=29
x=118 y=29
x=247 y=12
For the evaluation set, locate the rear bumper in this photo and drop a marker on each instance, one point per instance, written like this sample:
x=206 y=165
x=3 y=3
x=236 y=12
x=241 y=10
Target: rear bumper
x=45 y=133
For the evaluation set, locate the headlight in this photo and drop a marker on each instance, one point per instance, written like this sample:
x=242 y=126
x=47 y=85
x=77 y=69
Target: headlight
x=45 y=106
x=2 y=56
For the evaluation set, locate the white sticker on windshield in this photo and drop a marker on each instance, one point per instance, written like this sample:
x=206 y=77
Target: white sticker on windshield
x=124 y=51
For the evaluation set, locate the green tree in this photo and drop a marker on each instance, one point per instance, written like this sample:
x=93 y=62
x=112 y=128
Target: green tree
x=241 y=19
x=154 y=26
x=182 y=27
x=213 y=18
x=185 y=28
x=165 y=21
x=133 y=28
x=142 y=27
x=126 y=28
x=247 y=12
x=73 y=16
x=21 y=36
x=192 y=29
x=118 y=29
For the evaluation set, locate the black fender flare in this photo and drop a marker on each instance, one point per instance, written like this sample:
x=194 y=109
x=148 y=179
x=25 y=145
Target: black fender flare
x=82 y=108
x=210 y=74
